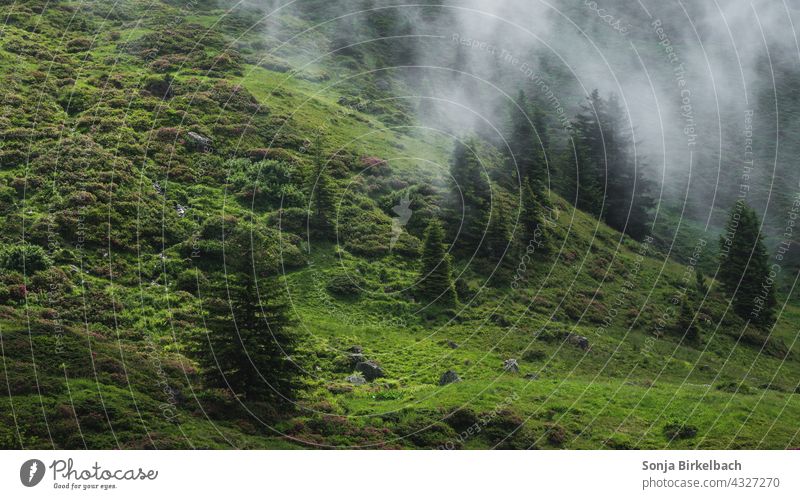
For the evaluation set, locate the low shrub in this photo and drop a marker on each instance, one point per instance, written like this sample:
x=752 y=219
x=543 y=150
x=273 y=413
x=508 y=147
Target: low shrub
x=345 y=285
x=678 y=431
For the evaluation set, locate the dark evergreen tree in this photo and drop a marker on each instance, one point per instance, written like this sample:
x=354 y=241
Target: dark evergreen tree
x=532 y=220
x=611 y=185
x=323 y=198
x=471 y=196
x=627 y=195
x=247 y=345
x=498 y=236
x=566 y=172
x=590 y=155
x=700 y=283
x=686 y=326
x=744 y=267
x=526 y=156
x=436 y=280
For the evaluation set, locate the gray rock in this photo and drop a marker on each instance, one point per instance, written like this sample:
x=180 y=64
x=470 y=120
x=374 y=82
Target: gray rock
x=579 y=341
x=452 y=344
x=531 y=376
x=356 y=379
x=449 y=377
x=198 y=142
x=511 y=366
x=347 y=361
x=370 y=369
x=353 y=359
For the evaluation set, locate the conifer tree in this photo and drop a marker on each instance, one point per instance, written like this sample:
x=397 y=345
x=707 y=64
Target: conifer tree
x=247 y=344
x=532 y=220
x=627 y=195
x=610 y=183
x=525 y=159
x=323 y=199
x=498 y=236
x=436 y=281
x=471 y=195
x=590 y=154
x=744 y=267
x=700 y=282
x=685 y=325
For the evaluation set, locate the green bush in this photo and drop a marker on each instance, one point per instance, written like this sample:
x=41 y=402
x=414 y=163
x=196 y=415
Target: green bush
x=365 y=232
x=292 y=220
x=267 y=183
x=677 y=431
x=734 y=387
x=53 y=280
x=26 y=258
x=190 y=280
x=345 y=285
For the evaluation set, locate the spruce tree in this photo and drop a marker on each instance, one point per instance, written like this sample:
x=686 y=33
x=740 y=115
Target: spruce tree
x=436 y=281
x=323 y=199
x=532 y=220
x=525 y=159
x=700 y=283
x=471 y=196
x=247 y=344
x=744 y=267
x=686 y=325
x=628 y=193
x=590 y=154
x=610 y=183
x=498 y=236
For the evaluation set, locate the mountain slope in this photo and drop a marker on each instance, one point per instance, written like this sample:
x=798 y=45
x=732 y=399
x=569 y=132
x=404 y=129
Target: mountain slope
x=121 y=208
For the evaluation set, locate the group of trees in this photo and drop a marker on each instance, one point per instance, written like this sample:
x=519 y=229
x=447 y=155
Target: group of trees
x=744 y=269
x=601 y=171
x=744 y=274
x=610 y=184
x=248 y=348
x=610 y=181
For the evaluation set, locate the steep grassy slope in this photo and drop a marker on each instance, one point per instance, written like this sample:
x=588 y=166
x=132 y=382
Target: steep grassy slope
x=98 y=169
x=637 y=380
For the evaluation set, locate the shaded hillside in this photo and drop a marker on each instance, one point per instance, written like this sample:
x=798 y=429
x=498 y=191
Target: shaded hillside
x=153 y=159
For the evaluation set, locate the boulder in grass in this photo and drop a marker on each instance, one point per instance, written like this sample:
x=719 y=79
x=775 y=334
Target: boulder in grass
x=370 y=369
x=354 y=359
x=198 y=142
x=356 y=379
x=449 y=377
x=350 y=359
x=579 y=341
x=511 y=366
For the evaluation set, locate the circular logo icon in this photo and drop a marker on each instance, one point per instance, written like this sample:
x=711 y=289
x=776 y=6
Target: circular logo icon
x=31 y=472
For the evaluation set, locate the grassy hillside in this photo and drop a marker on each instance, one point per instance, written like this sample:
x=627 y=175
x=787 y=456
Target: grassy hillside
x=121 y=209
